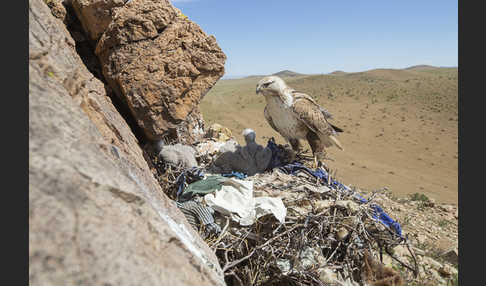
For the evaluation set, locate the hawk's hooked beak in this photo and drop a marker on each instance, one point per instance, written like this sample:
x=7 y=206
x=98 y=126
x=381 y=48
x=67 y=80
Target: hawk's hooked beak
x=258 y=89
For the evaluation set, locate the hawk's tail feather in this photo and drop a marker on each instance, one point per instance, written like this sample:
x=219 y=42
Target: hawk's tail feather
x=336 y=142
x=337 y=129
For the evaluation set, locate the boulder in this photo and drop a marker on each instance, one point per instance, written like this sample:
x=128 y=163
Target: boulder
x=446 y=270
x=432 y=263
x=451 y=255
x=159 y=62
x=95 y=16
x=97 y=216
x=57 y=8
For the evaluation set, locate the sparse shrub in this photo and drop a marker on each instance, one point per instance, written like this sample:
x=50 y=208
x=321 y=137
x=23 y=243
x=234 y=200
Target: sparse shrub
x=443 y=223
x=423 y=200
x=419 y=197
x=391 y=97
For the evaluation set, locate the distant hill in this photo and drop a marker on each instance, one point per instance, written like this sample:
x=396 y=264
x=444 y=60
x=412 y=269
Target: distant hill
x=284 y=73
x=338 y=72
x=254 y=76
x=232 y=77
x=420 y=67
x=287 y=73
x=416 y=68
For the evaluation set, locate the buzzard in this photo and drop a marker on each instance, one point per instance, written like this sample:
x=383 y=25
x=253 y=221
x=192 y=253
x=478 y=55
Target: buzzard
x=296 y=115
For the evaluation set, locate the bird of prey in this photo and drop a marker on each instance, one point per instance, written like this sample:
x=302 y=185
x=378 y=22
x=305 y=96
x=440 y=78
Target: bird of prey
x=296 y=115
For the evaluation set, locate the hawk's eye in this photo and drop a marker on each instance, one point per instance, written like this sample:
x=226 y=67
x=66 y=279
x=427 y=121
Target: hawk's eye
x=267 y=84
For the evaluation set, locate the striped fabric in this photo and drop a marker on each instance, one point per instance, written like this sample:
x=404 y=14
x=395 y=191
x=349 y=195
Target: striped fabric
x=197 y=214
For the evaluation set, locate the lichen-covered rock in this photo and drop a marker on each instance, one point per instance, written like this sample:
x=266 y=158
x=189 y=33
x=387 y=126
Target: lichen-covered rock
x=97 y=216
x=57 y=8
x=160 y=62
x=451 y=255
x=95 y=16
x=53 y=49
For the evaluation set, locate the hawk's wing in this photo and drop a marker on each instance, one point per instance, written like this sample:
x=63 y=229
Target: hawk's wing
x=325 y=112
x=310 y=113
x=269 y=119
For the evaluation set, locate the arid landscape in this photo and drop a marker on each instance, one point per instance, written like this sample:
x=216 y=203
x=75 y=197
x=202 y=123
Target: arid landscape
x=400 y=126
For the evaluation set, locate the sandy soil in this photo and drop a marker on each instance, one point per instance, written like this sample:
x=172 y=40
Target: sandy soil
x=401 y=129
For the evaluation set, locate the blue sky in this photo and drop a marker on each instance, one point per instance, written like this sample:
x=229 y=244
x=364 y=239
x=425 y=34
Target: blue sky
x=318 y=36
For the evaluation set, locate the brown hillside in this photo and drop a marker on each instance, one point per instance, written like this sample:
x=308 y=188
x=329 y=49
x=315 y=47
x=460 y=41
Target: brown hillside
x=287 y=73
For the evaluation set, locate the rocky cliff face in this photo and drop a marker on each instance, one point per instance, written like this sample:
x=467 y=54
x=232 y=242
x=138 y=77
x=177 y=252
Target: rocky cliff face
x=96 y=213
x=158 y=61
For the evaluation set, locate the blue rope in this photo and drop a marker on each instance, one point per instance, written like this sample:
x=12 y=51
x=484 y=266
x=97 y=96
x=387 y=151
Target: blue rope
x=235 y=174
x=386 y=219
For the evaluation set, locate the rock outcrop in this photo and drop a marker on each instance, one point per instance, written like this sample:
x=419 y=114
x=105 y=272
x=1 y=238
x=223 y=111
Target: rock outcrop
x=158 y=61
x=97 y=215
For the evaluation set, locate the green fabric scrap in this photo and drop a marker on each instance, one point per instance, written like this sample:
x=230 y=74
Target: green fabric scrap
x=205 y=186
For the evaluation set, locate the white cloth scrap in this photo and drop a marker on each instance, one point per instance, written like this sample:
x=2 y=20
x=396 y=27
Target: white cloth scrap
x=266 y=205
x=235 y=199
